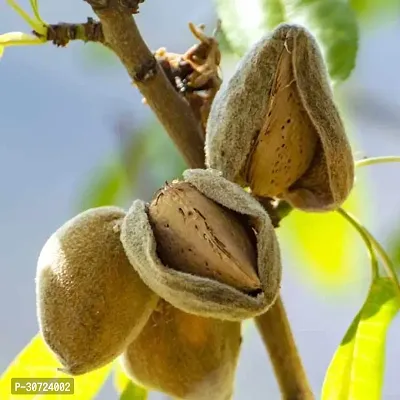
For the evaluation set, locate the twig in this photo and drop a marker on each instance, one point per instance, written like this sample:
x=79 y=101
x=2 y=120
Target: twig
x=194 y=75
x=61 y=34
x=122 y=36
x=276 y=210
x=275 y=331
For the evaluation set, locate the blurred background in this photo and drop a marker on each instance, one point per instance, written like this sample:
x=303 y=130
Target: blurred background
x=70 y=120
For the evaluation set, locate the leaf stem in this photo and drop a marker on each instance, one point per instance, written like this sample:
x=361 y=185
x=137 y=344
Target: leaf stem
x=386 y=261
x=377 y=160
x=35 y=9
x=37 y=25
x=365 y=238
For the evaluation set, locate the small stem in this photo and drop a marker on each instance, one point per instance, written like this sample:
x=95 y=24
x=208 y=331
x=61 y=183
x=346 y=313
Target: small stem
x=61 y=34
x=35 y=9
x=277 y=336
x=377 y=160
x=365 y=238
x=276 y=211
x=24 y=15
x=386 y=261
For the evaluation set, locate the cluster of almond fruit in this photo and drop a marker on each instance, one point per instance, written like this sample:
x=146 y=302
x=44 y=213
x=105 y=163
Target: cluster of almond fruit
x=166 y=285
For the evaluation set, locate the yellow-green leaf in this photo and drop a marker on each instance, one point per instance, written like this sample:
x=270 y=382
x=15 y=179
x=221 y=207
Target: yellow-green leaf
x=356 y=371
x=324 y=244
x=19 y=39
x=37 y=361
x=127 y=389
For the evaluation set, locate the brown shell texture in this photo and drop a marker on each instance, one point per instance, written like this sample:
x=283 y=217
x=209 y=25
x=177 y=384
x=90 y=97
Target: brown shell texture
x=274 y=125
x=285 y=146
x=185 y=356
x=213 y=243
x=201 y=294
x=91 y=303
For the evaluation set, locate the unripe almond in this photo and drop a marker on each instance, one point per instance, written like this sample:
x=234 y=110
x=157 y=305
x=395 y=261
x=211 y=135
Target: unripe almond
x=275 y=127
x=185 y=356
x=206 y=246
x=90 y=300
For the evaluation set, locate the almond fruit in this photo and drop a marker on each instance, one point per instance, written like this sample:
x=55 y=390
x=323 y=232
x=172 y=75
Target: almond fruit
x=91 y=303
x=206 y=246
x=274 y=125
x=185 y=356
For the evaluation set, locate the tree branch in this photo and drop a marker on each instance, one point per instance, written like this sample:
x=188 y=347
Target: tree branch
x=122 y=36
x=277 y=336
x=61 y=34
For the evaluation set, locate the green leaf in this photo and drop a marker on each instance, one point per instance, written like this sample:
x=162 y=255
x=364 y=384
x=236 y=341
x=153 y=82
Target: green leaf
x=95 y=55
x=369 y=9
x=112 y=179
x=356 y=371
x=164 y=160
x=223 y=43
x=134 y=153
x=148 y=153
x=105 y=186
x=324 y=244
x=37 y=361
x=273 y=13
x=125 y=387
x=244 y=23
x=334 y=24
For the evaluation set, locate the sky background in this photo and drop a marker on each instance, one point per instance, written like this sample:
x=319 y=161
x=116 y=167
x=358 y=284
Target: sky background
x=58 y=110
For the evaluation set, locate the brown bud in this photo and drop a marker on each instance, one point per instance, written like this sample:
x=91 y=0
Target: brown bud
x=185 y=356
x=206 y=246
x=195 y=73
x=275 y=127
x=90 y=301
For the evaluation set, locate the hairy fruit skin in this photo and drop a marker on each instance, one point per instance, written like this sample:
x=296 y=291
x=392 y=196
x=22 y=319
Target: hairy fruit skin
x=191 y=252
x=185 y=356
x=90 y=301
x=274 y=125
